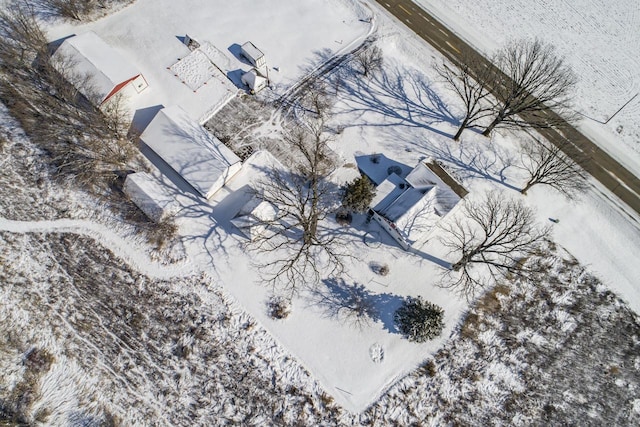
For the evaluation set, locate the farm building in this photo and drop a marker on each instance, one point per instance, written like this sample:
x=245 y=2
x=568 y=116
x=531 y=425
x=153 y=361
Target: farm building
x=254 y=80
x=200 y=158
x=149 y=196
x=253 y=55
x=409 y=205
x=97 y=70
x=252 y=217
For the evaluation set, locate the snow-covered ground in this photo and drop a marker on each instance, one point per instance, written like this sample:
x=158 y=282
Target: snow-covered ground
x=292 y=35
x=600 y=40
x=346 y=367
x=402 y=112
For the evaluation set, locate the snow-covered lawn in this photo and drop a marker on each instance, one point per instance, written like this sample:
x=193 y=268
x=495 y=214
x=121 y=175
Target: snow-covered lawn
x=354 y=364
x=600 y=40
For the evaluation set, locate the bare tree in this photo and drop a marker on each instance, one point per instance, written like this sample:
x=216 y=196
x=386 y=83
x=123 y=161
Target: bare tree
x=85 y=143
x=548 y=165
x=470 y=79
x=370 y=60
x=536 y=90
x=496 y=232
x=72 y=9
x=21 y=38
x=102 y=152
x=299 y=250
x=315 y=103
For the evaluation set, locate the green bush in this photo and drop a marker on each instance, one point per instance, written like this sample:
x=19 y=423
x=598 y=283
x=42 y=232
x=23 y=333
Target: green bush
x=357 y=195
x=419 y=320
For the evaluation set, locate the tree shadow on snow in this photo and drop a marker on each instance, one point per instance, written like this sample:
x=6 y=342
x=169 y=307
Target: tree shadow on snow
x=464 y=159
x=404 y=97
x=354 y=304
x=487 y=162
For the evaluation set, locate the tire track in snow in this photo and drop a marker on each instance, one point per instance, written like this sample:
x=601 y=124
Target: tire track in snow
x=105 y=236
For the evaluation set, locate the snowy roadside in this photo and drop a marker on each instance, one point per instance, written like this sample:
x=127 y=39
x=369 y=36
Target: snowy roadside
x=597 y=39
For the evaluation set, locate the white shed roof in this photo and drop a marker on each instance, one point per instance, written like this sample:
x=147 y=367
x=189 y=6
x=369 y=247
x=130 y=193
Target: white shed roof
x=192 y=151
x=88 y=55
x=251 y=50
x=153 y=199
x=253 y=80
x=252 y=217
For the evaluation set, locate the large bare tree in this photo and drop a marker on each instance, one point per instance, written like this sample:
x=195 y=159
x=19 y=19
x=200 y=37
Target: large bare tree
x=470 y=79
x=495 y=232
x=298 y=250
x=548 y=165
x=536 y=89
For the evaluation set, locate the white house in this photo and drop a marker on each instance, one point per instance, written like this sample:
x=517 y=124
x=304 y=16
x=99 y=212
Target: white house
x=152 y=199
x=253 y=55
x=193 y=152
x=252 y=218
x=97 y=70
x=254 y=80
x=409 y=207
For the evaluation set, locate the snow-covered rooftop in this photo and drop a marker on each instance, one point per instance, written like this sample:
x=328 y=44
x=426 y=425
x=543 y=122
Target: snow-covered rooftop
x=388 y=191
x=152 y=198
x=88 y=55
x=252 y=217
x=192 y=151
x=251 y=50
x=416 y=203
x=253 y=80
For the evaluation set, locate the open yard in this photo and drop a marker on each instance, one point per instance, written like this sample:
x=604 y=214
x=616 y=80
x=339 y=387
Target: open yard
x=150 y=34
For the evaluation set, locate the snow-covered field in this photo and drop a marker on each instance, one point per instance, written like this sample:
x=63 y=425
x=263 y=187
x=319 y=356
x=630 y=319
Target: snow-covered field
x=402 y=112
x=600 y=40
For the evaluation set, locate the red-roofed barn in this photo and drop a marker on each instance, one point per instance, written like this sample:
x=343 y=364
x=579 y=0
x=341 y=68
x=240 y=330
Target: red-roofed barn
x=97 y=70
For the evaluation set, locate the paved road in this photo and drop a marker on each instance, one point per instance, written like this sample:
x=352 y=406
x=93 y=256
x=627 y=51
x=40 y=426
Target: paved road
x=600 y=165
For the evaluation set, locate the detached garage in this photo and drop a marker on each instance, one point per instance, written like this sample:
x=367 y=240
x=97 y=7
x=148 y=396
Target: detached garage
x=200 y=158
x=96 y=69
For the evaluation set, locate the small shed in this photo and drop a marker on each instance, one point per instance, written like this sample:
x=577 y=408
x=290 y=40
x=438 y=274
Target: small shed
x=200 y=158
x=152 y=199
x=254 y=216
x=253 y=55
x=254 y=80
x=96 y=69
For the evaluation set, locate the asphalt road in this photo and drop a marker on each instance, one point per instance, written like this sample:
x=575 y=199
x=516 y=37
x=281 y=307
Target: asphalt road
x=599 y=164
